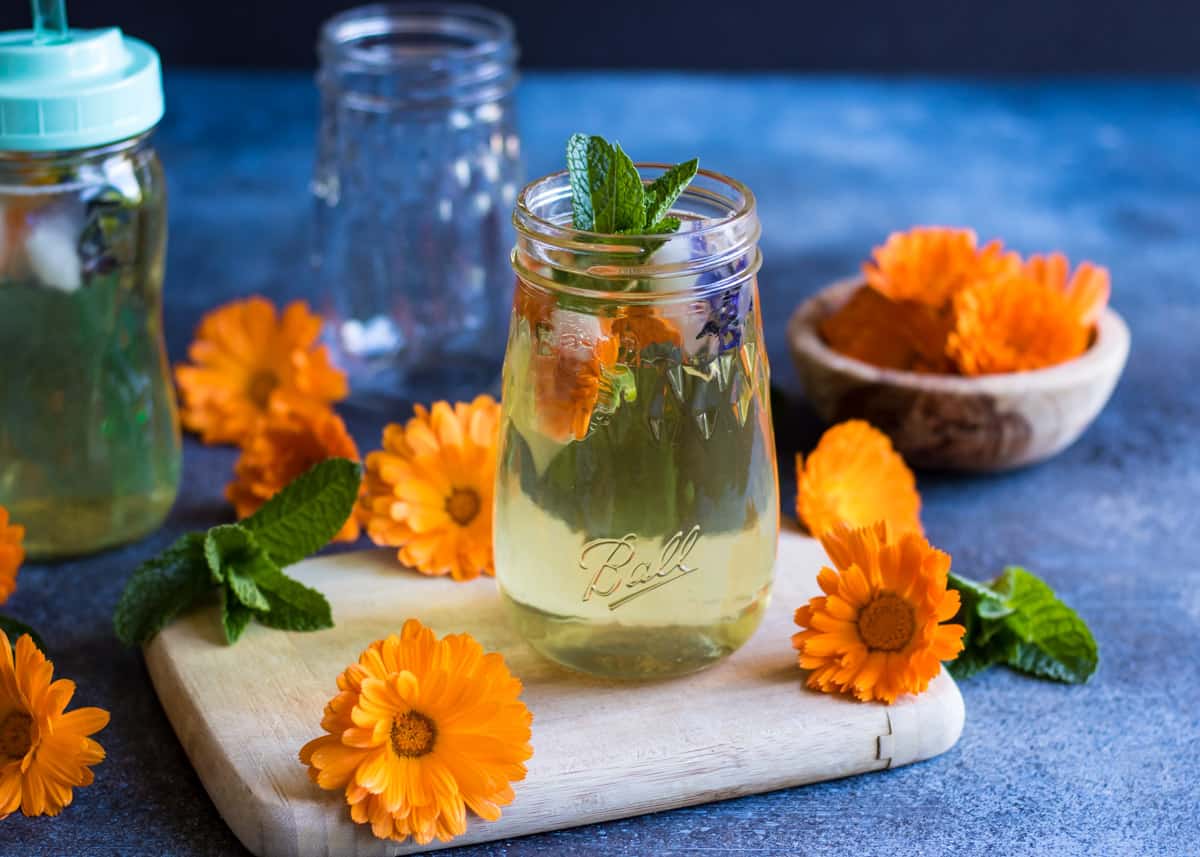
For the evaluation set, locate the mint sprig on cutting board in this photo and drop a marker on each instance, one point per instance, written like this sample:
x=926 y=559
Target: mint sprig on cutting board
x=608 y=195
x=242 y=563
x=1017 y=620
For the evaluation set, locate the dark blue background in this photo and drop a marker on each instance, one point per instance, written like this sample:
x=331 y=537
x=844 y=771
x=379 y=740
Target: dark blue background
x=1103 y=170
x=1061 y=36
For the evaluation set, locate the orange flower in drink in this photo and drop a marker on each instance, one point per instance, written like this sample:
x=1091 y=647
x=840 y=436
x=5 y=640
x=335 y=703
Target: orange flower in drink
x=638 y=327
x=877 y=631
x=12 y=554
x=429 y=490
x=284 y=448
x=1086 y=289
x=903 y=335
x=855 y=476
x=930 y=264
x=45 y=751
x=1015 y=324
x=570 y=374
x=420 y=731
x=247 y=362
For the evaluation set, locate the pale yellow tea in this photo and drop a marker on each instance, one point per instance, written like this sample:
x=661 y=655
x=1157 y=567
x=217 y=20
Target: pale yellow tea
x=644 y=548
x=637 y=505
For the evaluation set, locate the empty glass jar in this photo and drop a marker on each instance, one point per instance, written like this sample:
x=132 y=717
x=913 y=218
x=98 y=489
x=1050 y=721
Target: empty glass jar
x=417 y=168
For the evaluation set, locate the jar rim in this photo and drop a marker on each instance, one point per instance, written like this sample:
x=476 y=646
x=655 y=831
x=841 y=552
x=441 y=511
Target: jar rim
x=530 y=223
x=485 y=32
x=714 y=253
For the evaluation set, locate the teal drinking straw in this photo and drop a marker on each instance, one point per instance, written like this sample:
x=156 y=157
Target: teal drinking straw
x=49 y=22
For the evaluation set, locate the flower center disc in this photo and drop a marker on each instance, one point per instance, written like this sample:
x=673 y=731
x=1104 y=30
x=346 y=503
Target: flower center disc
x=887 y=623
x=262 y=385
x=463 y=506
x=16 y=731
x=413 y=734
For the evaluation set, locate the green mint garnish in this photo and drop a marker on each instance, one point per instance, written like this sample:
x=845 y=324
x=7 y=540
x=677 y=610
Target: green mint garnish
x=664 y=190
x=301 y=519
x=243 y=563
x=1017 y=620
x=608 y=196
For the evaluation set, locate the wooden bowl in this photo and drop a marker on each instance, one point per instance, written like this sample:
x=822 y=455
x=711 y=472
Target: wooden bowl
x=988 y=422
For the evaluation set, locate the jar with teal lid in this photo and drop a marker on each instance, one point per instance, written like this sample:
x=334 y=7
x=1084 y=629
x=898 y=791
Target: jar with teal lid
x=89 y=436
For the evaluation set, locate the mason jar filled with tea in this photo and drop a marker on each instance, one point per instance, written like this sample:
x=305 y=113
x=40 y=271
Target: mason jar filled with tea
x=637 y=496
x=89 y=439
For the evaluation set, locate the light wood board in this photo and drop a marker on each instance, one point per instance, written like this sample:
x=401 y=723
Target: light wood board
x=602 y=750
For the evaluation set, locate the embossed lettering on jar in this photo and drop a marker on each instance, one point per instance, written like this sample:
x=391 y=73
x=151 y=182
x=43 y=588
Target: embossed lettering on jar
x=637 y=496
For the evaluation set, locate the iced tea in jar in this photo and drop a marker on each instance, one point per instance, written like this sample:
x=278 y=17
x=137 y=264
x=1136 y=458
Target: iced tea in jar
x=637 y=503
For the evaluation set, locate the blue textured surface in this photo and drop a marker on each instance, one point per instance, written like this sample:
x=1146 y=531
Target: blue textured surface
x=1104 y=170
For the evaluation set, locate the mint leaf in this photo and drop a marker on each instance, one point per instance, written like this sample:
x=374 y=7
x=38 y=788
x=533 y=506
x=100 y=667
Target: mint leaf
x=664 y=190
x=667 y=224
x=1018 y=621
x=629 y=211
x=293 y=606
x=1052 y=640
x=161 y=588
x=14 y=629
x=235 y=616
x=982 y=647
x=303 y=517
x=579 y=170
x=607 y=194
x=234 y=557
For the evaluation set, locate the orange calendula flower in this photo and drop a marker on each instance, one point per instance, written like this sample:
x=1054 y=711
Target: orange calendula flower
x=876 y=633
x=1014 y=324
x=429 y=490
x=902 y=335
x=569 y=376
x=1087 y=289
x=284 y=448
x=12 y=554
x=45 y=751
x=856 y=476
x=638 y=327
x=930 y=264
x=248 y=361
x=421 y=730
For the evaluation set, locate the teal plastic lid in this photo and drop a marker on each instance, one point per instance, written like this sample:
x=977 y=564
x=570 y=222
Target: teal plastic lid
x=83 y=88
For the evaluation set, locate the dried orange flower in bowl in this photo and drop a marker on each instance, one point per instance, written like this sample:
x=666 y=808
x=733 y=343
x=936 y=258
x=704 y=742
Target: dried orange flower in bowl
x=935 y=301
x=421 y=730
x=878 y=630
x=965 y=356
x=247 y=361
x=1014 y=324
x=904 y=335
x=855 y=476
x=429 y=490
x=930 y=264
x=284 y=447
x=1087 y=289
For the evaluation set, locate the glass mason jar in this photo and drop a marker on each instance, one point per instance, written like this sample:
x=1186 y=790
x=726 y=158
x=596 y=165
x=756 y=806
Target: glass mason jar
x=637 y=507
x=89 y=440
x=417 y=168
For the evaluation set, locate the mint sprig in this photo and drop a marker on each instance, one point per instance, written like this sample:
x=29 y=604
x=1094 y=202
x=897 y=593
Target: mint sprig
x=1017 y=620
x=242 y=563
x=608 y=195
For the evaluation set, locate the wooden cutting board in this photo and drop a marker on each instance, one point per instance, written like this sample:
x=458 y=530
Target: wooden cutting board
x=602 y=749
